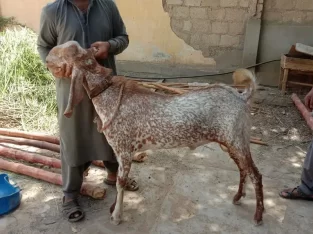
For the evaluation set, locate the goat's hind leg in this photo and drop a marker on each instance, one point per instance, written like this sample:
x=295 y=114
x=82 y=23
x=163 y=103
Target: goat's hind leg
x=256 y=179
x=243 y=171
x=116 y=209
x=246 y=167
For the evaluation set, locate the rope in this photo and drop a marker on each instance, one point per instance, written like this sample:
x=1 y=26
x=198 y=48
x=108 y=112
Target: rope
x=204 y=75
x=105 y=126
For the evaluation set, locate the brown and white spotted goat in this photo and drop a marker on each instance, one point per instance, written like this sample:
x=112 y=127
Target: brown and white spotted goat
x=135 y=119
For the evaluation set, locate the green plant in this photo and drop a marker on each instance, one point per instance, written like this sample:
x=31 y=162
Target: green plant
x=27 y=89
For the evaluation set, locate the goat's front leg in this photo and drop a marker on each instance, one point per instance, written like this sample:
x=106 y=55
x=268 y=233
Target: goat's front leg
x=124 y=161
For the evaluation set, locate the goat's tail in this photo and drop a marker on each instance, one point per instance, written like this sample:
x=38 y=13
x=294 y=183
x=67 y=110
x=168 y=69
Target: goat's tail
x=246 y=78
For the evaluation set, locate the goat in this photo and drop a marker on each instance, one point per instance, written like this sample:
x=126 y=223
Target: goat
x=134 y=119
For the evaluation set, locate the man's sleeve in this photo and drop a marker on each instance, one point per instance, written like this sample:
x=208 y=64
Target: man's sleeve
x=120 y=39
x=47 y=37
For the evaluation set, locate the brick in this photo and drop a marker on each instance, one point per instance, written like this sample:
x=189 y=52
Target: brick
x=259 y=7
x=219 y=27
x=177 y=24
x=304 y=5
x=211 y=40
x=195 y=39
x=181 y=12
x=196 y=47
x=284 y=4
x=182 y=35
x=272 y=16
x=268 y=5
x=229 y=41
x=309 y=16
x=293 y=16
x=216 y=14
x=212 y=51
x=192 y=2
x=210 y=3
x=235 y=14
x=174 y=2
x=198 y=13
x=244 y=3
x=202 y=26
x=187 y=25
x=229 y=3
x=259 y=10
x=236 y=28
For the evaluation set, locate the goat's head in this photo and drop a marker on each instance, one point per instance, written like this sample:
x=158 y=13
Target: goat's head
x=71 y=56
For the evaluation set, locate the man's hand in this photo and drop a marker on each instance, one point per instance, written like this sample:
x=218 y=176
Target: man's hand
x=103 y=48
x=308 y=100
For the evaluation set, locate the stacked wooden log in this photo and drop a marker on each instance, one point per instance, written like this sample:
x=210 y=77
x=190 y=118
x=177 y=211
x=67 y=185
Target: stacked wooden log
x=41 y=141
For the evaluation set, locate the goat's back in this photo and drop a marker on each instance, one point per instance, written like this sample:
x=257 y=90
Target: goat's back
x=214 y=113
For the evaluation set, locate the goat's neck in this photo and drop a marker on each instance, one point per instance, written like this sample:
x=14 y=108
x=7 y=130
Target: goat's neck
x=97 y=80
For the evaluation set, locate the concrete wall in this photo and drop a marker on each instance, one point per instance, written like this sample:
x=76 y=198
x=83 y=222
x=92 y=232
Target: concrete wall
x=152 y=39
x=288 y=11
x=25 y=11
x=213 y=26
x=151 y=36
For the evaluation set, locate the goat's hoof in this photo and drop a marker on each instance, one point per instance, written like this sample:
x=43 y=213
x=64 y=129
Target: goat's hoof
x=258 y=222
x=115 y=221
x=237 y=203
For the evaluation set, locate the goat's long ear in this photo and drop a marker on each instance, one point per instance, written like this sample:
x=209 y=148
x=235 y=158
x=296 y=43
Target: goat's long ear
x=76 y=91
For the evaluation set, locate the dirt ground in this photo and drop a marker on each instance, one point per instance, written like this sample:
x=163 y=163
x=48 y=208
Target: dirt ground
x=183 y=191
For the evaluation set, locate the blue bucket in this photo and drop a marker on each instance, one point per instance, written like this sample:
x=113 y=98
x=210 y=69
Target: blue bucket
x=10 y=196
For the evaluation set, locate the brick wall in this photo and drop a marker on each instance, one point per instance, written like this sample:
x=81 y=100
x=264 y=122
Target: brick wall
x=213 y=26
x=288 y=11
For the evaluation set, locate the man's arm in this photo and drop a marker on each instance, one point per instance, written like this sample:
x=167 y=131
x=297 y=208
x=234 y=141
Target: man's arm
x=120 y=39
x=47 y=38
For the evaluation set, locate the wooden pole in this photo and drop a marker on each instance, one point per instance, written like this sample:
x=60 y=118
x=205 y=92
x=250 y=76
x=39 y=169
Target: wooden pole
x=29 y=135
x=29 y=157
x=303 y=110
x=29 y=142
x=54 y=178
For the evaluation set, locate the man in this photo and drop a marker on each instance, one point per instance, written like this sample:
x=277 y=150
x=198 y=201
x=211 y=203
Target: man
x=305 y=189
x=92 y=23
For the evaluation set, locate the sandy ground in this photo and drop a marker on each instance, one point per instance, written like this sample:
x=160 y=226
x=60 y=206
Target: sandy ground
x=183 y=191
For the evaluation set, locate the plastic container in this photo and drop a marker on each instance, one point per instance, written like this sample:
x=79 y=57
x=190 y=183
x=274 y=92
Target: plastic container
x=10 y=196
